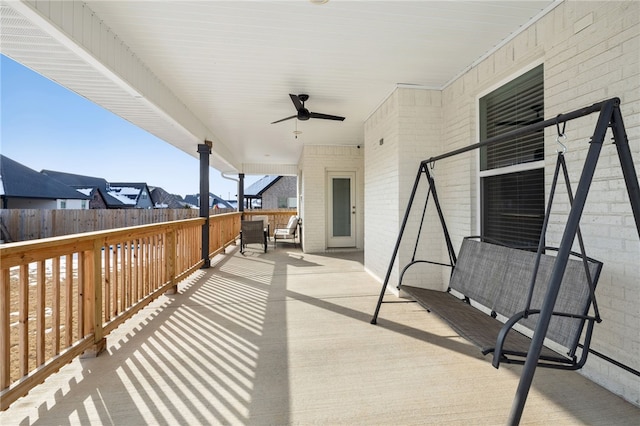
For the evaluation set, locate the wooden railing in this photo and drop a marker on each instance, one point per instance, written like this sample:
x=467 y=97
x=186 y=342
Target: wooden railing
x=60 y=297
x=33 y=224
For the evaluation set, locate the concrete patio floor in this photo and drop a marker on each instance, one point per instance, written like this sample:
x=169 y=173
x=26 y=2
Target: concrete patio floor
x=284 y=338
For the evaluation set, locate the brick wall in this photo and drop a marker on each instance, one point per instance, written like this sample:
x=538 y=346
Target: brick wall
x=381 y=202
x=409 y=125
x=596 y=55
x=591 y=52
x=316 y=162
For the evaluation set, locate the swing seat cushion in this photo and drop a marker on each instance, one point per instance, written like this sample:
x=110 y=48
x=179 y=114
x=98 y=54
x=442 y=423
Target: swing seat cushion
x=498 y=278
x=474 y=325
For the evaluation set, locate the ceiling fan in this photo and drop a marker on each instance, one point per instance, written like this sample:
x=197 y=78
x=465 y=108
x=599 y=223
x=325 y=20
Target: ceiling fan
x=303 y=113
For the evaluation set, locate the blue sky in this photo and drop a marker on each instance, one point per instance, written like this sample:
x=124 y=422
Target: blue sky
x=46 y=126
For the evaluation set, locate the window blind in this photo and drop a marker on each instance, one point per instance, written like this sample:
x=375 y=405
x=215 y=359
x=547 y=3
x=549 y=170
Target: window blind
x=513 y=207
x=513 y=203
x=514 y=105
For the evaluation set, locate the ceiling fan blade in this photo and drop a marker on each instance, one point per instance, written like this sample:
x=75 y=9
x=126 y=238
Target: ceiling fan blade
x=326 y=116
x=296 y=101
x=285 y=119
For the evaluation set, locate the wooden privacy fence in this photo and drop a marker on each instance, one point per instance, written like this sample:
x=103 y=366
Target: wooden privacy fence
x=33 y=224
x=60 y=296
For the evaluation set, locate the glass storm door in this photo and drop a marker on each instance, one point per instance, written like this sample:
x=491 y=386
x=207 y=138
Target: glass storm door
x=341 y=210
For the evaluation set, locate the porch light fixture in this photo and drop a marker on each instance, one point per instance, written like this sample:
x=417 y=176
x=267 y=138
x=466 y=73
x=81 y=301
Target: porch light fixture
x=318 y=1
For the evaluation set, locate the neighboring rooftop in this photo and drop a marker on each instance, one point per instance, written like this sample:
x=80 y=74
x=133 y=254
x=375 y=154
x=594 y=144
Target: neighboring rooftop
x=215 y=200
x=77 y=181
x=126 y=192
x=257 y=188
x=163 y=200
x=88 y=184
x=20 y=181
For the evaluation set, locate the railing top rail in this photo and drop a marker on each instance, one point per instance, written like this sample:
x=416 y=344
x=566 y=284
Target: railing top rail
x=117 y=233
x=108 y=235
x=223 y=215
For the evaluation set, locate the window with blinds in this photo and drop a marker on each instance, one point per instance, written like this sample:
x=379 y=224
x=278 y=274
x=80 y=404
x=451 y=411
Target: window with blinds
x=513 y=201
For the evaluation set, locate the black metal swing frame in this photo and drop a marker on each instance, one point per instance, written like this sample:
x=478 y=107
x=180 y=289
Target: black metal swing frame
x=610 y=116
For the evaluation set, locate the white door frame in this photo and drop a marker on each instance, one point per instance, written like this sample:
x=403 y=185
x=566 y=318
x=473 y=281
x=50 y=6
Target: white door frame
x=347 y=240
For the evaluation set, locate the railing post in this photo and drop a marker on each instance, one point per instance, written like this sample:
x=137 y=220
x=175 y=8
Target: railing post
x=170 y=253
x=241 y=192
x=204 y=149
x=5 y=342
x=222 y=237
x=93 y=299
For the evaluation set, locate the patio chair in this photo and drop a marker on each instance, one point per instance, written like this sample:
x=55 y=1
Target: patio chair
x=252 y=231
x=265 y=221
x=290 y=231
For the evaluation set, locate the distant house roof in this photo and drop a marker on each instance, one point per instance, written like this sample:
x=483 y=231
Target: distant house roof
x=127 y=192
x=257 y=188
x=218 y=201
x=163 y=200
x=77 y=181
x=19 y=181
x=194 y=200
x=87 y=184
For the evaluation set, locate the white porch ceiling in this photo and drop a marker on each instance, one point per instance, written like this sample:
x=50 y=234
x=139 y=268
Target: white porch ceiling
x=223 y=70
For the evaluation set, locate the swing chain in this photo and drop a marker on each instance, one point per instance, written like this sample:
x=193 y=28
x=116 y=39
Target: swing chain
x=561 y=136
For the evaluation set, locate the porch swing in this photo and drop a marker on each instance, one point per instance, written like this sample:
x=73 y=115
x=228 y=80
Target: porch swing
x=547 y=297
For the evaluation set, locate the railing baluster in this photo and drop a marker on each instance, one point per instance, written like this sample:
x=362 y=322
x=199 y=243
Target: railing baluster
x=117 y=287
x=171 y=260
x=147 y=266
x=129 y=279
x=80 y=295
x=40 y=306
x=107 y=282
x=135 y=269
x=153 y=279
x=123 y=276
x=5 y=329
x=68 y=290
x=55 y=305
x=94 y=297
x=23 y=321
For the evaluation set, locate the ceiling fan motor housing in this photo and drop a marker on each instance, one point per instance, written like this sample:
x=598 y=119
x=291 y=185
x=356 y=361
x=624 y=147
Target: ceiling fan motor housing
x=303 y=114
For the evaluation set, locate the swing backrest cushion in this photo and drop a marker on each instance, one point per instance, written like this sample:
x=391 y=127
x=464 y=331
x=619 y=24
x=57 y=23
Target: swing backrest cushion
x=499 y=277
x=475 y=276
